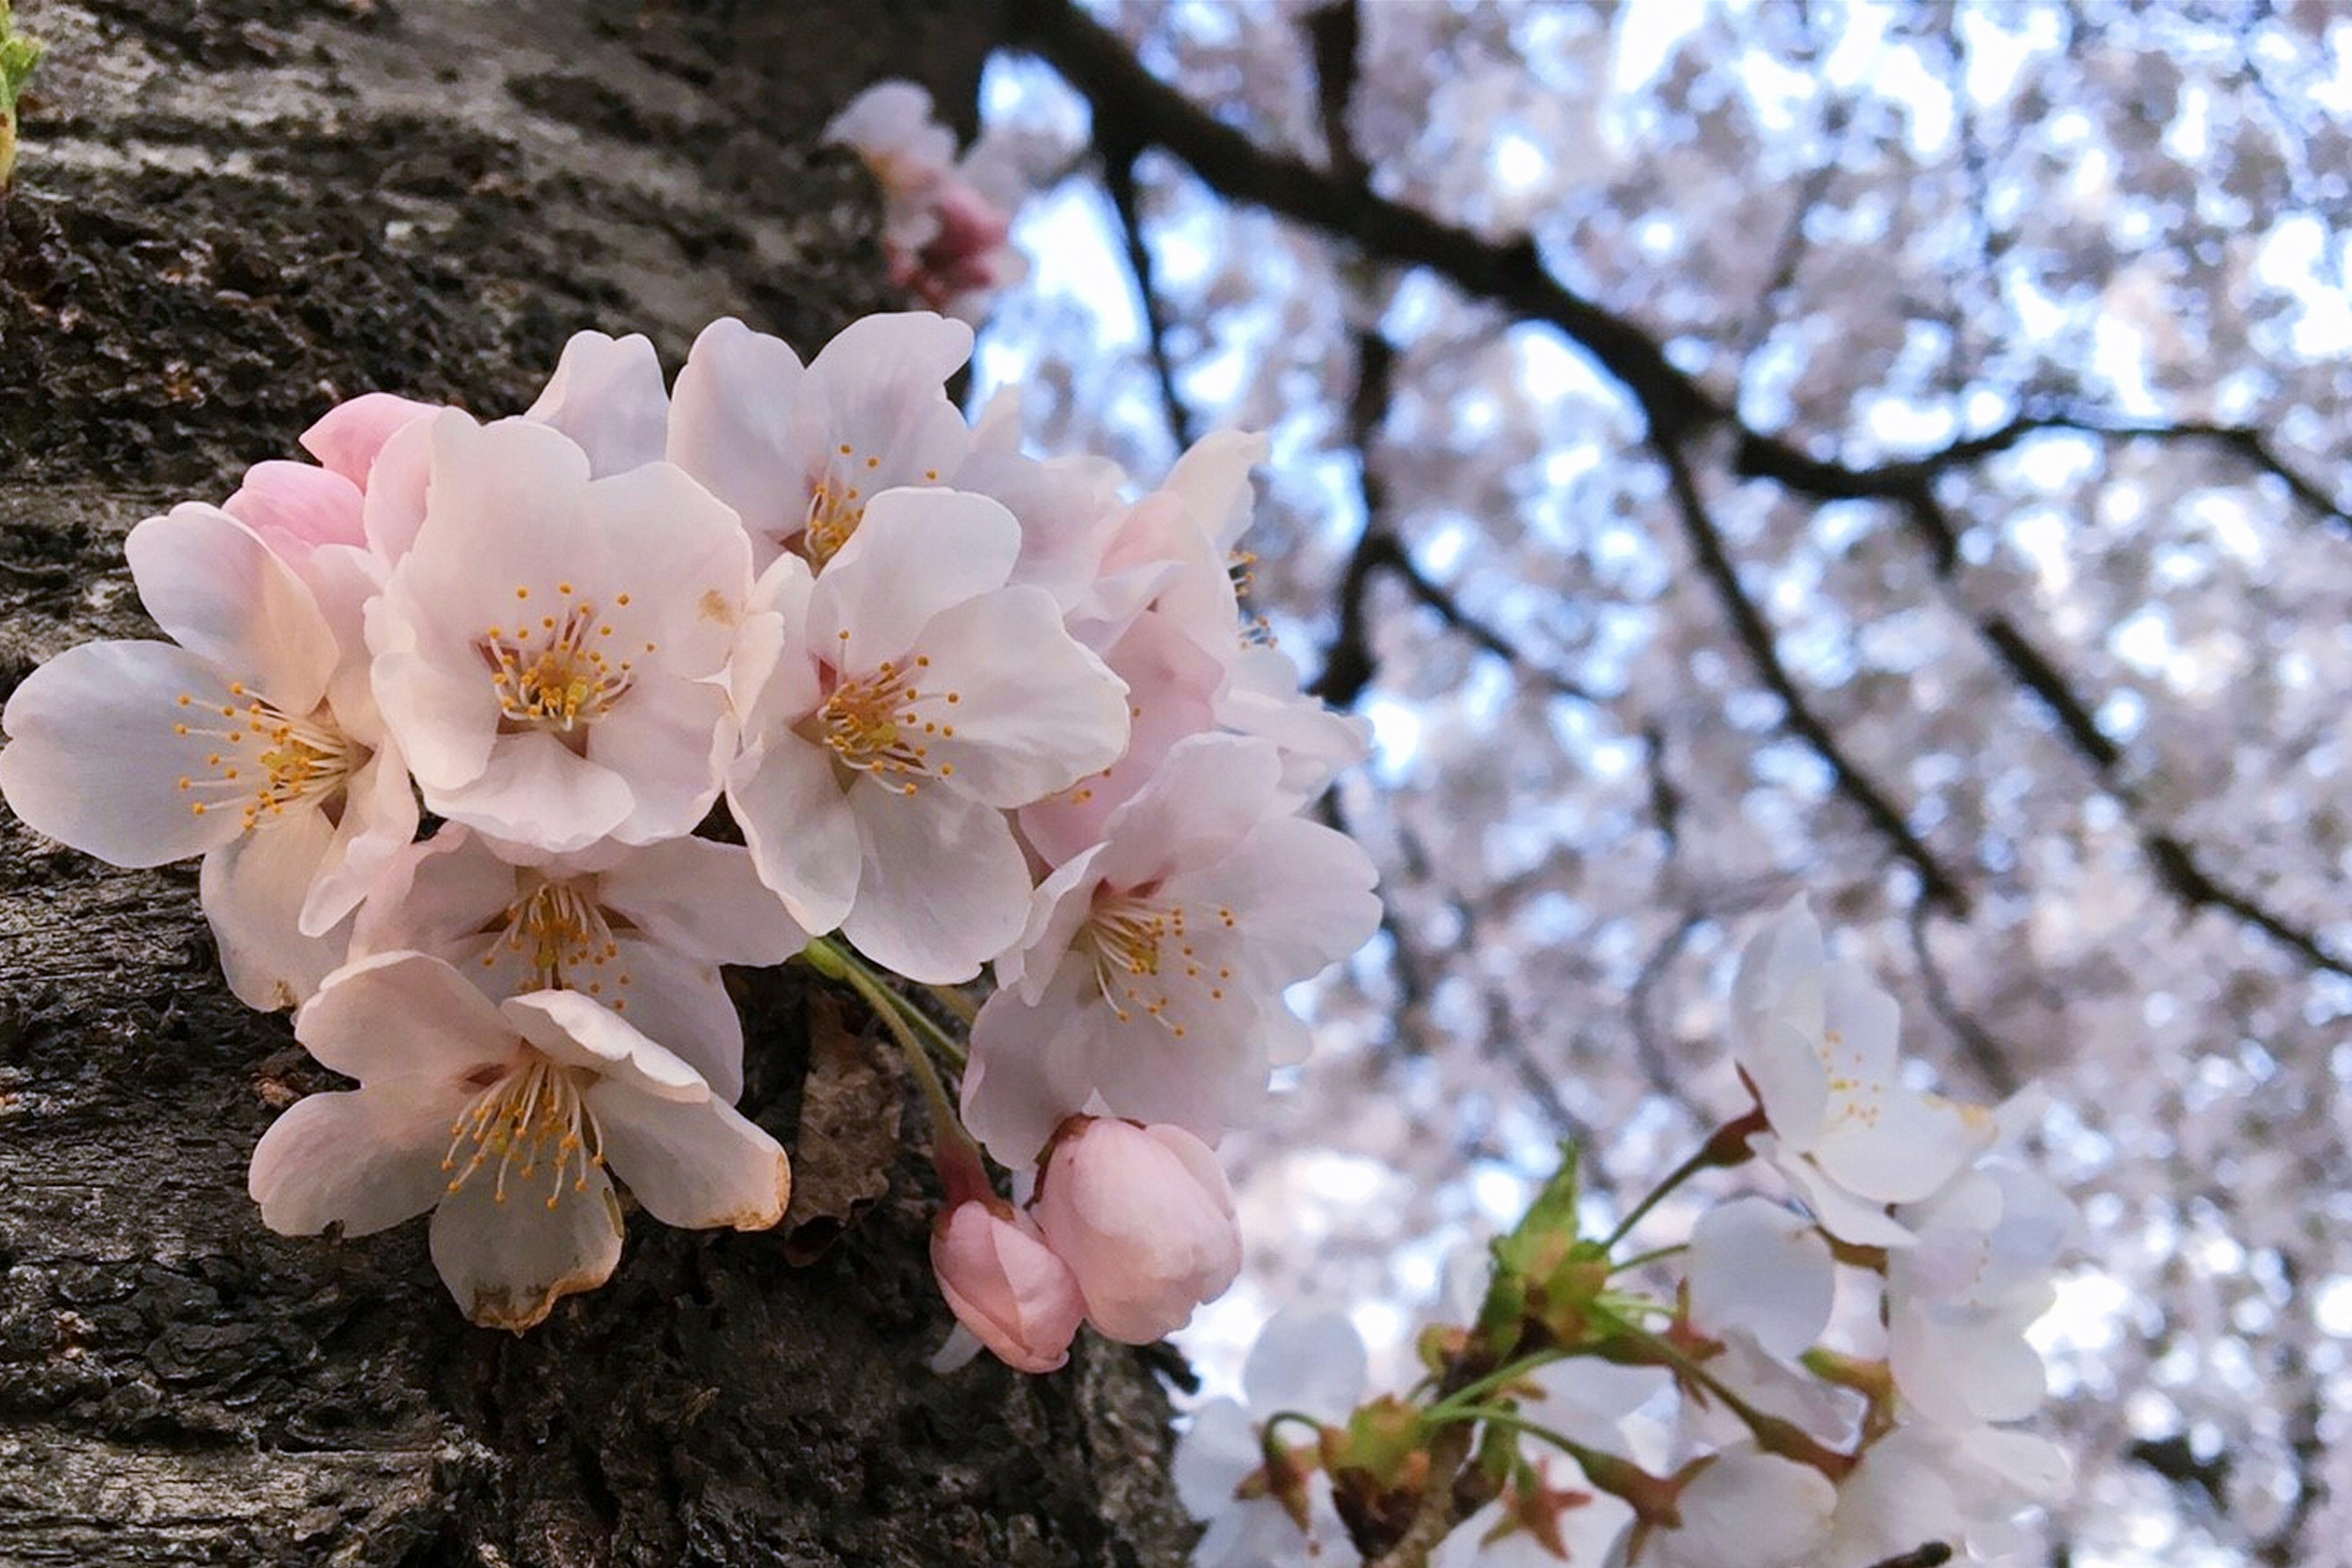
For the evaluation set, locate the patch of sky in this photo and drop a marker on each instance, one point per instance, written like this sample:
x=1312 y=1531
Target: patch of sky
x=2290 y=259
x=2121 y=714
x=1518 y=162
x=1397 y=730
x=1998 y=42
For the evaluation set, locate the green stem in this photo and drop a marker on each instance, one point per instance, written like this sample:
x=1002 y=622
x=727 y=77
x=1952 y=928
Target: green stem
x=1773 y=1433
x=957 y=1157
x=1727 y=1145
x=1654 y=1254
x=1471 y=1392
x=1652 y=1496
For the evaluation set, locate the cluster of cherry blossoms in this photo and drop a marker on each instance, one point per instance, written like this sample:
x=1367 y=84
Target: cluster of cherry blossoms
x=1832 y=1382
x=947 y=220
x=962 y=706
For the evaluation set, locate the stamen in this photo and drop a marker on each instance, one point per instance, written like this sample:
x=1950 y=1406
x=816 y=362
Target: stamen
x=1146 y=961
x=875 y=725
x=267 y=760
x=535 y=1113
x=553 y=676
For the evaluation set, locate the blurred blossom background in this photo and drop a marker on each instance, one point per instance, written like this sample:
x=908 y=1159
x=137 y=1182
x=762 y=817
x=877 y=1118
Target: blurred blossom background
x=1929 y=499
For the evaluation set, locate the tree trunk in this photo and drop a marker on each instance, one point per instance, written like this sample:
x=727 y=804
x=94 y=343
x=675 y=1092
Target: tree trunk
x=229 y=215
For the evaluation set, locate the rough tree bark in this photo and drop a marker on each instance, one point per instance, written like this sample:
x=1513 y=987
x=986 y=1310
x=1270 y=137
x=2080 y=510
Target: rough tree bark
x=230 y=214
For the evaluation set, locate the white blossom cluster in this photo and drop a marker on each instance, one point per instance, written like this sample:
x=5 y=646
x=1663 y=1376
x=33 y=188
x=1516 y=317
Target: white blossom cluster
x=1830 y=1385
x=961 y=705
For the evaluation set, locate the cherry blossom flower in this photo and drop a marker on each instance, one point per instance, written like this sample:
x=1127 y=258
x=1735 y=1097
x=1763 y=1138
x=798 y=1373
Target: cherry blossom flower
x=1758 y=1268
x=945 y=223
x=502 y=1119
x=1958 y=1304
x=642 y=929
x=1746 y=1509
x=1817 y=1039
x=1151 y=969
x=224 y=745
x=799 y=453
x=550 y=652
x=1306 y=1360
x=1144 y=1217
x=914 y=699
x=1924 y=1484
x=1005 y=1285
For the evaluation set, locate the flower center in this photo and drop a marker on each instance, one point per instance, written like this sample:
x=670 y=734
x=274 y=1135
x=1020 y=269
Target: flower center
x=876 y=724
x=559 y=670
x=1148 y=959
x=532 y=1116
x=263 y=760
x=560 y=934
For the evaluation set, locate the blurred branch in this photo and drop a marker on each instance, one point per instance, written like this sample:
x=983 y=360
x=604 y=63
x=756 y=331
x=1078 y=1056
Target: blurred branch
x=1937 y=885
x=1118 y=179
x=1511 y=274
x=1769 y=458
x=1334 y=32
x=1984 y=1053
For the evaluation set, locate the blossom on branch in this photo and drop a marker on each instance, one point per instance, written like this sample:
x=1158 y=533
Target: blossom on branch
x=501 y=1119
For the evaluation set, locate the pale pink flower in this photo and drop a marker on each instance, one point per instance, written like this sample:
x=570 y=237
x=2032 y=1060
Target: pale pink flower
x=1922 y=1484
x=1151 y=969
x=1144 y=1217
x=1960 y=1302
x=1746 y=1509
x=914 y=699
x=1761 y=1268
x=945 y=223
x=551 y=652
x=1005 y=1285
x=1306 y=1360
x=798 y=453
x=1818 y=1040
x=642 y=929
x=225 y=745
x=502 y=1119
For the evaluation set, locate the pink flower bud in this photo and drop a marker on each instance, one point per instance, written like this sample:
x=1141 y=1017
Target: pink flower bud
x=1144 y=1217
x=1005 y=1285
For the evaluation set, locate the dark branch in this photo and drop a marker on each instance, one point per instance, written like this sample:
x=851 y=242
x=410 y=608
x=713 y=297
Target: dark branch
x=1119 y=178
x=1511 y=275
x=1937 y=885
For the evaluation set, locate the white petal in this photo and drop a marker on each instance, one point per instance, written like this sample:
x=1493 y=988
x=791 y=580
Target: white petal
x=221 y=593
x=607 y=396
x=1308 y=1360
x=1755 y=1266
x=534 y=790
x=697 y=1165
x=668 y=741
x=402 y=1014
x=507 y=1264
x=253 y=892
x=379 y=820
x=1207 y=797
x=1031 y=711
x=438 y=895
x=800 y=828
x=727 y=428
x=576 y=1030
x=943 y=885
x=93 y=760
x=918 y=553
x=366 y=1160
x=705 y=899
x=681 y=1005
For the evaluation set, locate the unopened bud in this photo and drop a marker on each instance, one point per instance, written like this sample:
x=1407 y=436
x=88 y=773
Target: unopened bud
x=1005 y=1285
x=1144 y=1217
